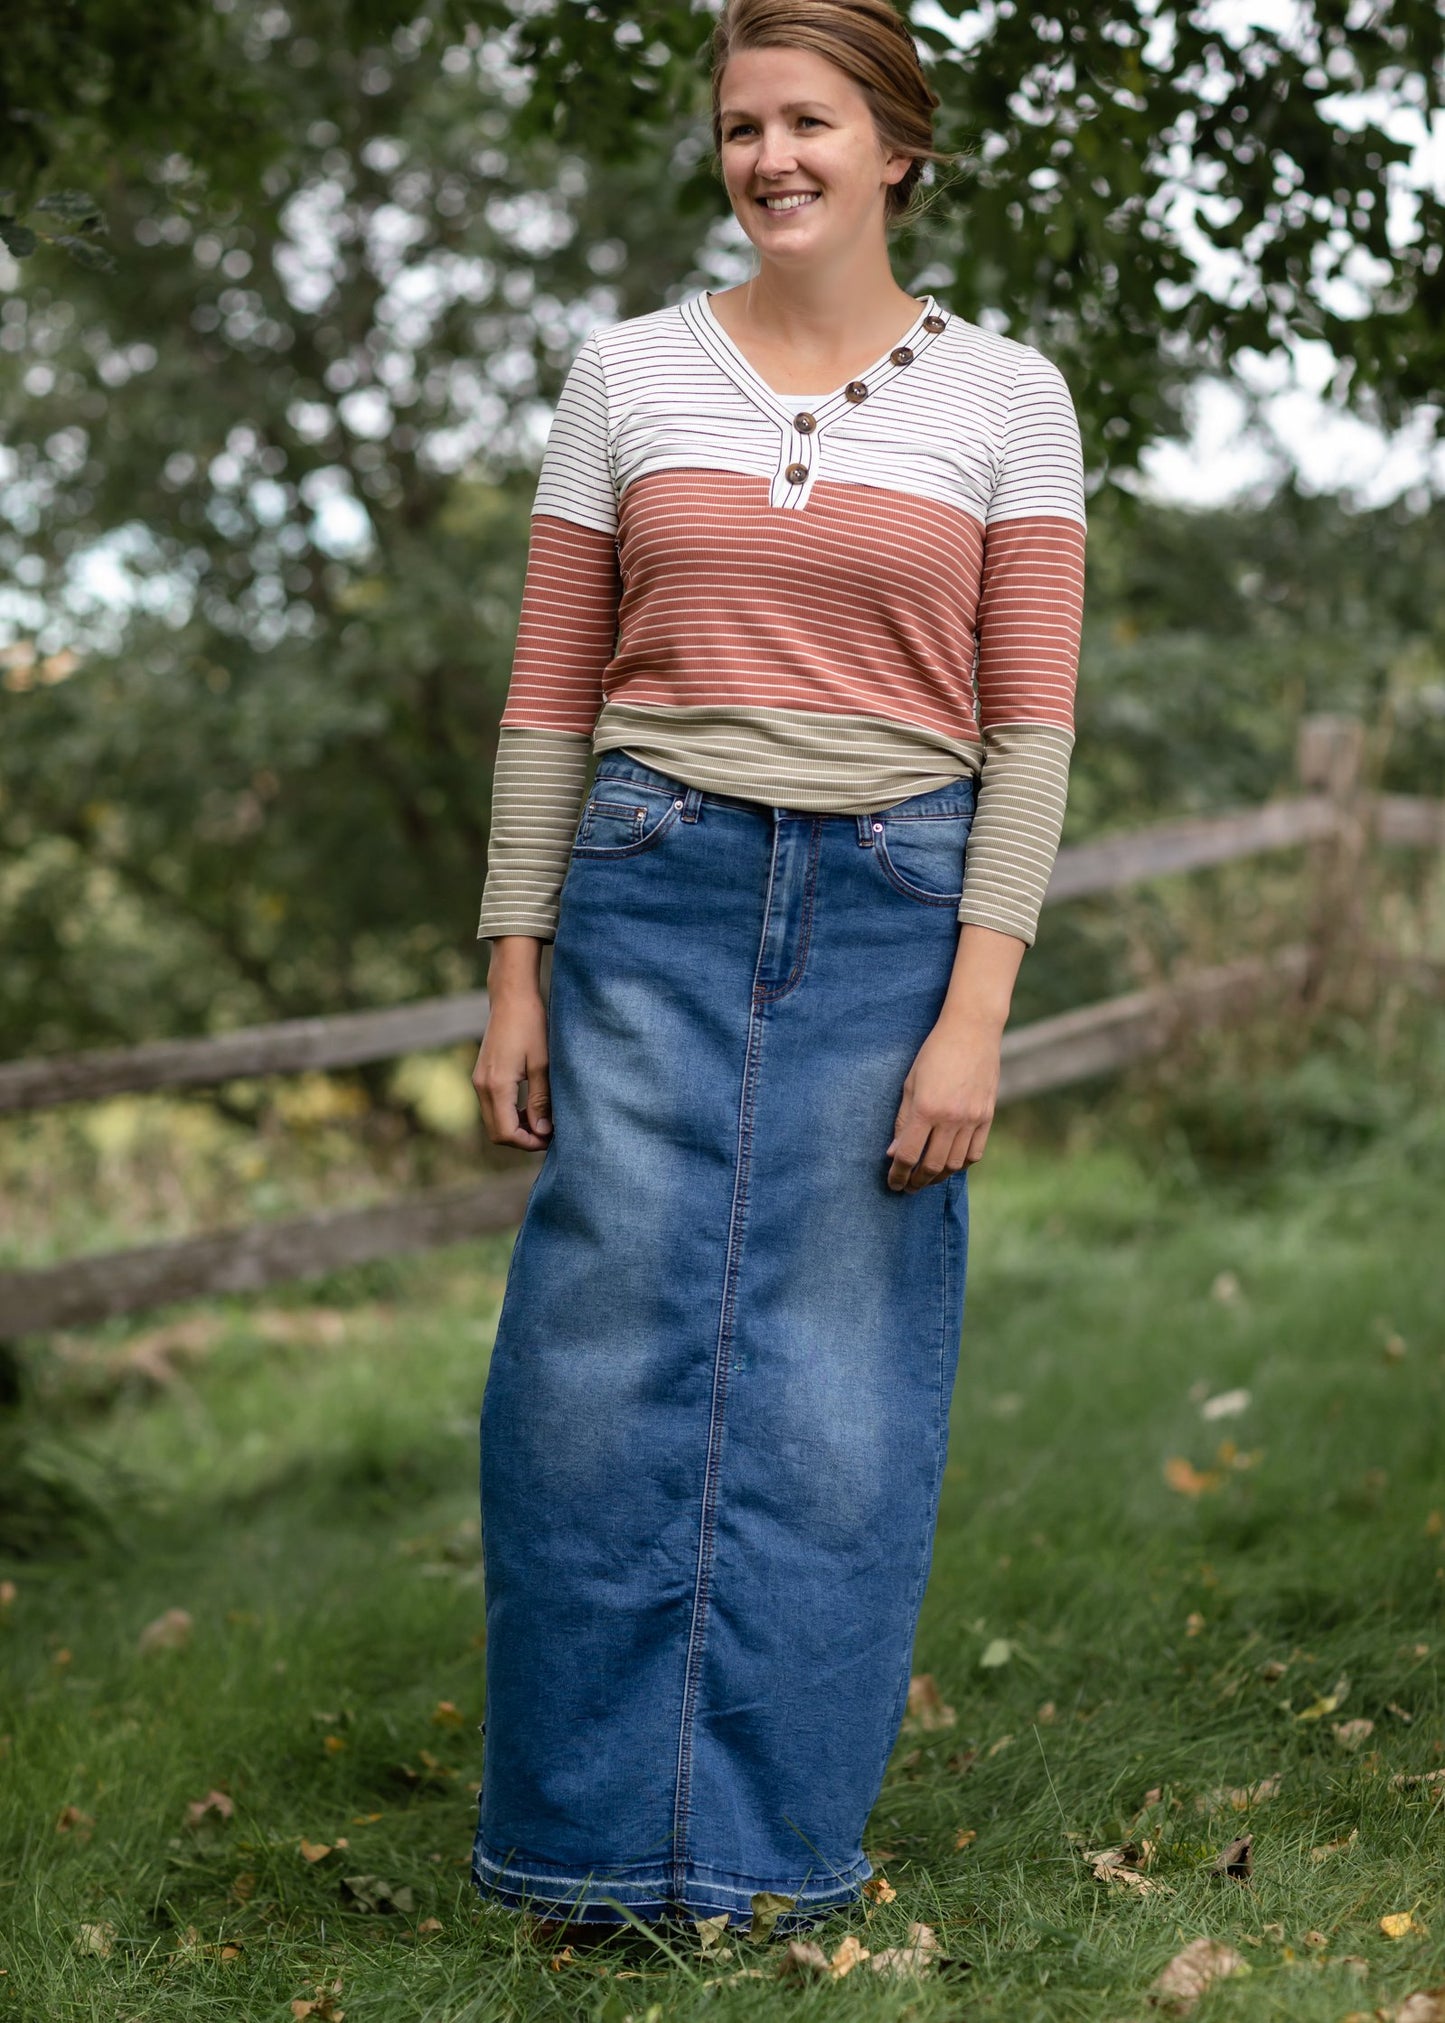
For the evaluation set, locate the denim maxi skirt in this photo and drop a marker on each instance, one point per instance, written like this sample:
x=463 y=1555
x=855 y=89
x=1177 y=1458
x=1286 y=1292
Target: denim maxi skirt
x=714 y=1424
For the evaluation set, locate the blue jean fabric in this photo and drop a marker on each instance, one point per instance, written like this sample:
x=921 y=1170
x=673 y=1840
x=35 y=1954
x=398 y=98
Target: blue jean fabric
x=714 y=1425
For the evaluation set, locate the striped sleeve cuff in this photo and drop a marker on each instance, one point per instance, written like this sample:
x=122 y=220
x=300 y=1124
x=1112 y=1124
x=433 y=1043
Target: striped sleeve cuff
x=1016 y=827
x=537 y=789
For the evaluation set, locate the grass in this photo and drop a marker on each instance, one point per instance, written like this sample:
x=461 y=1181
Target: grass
x=298 y=1476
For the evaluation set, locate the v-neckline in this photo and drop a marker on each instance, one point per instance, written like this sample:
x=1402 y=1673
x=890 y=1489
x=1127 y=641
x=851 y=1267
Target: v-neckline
x=786 y=403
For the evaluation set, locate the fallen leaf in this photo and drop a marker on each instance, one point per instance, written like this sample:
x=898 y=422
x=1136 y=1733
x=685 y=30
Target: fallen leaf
x=1189 y=1973
x=1394 y=1350
x=1406 y=1780
x=1135 y=1854
x=1335 y=1846
x=446 y=1714
x=243 y=1888
x=767 y=1908
x=1225 y=1405
x=1399 y=1925
x=849 y=1953
x=1273 y=1668
x=72 y=1820
x=95 y=1939
x=915 y=1958
x=1236 y=1860
x=214 y=1801
x=315 y=1850
x=879 y=1890
x=1435 y=1524
x=1002 y=1743
x=1328 y=1703
x=430 y=1925
x=1353 y=1964
x=1238 y=1798
x=8 y=1592
x=926 y=1707
x=170 y=1632
x=1426 y=2005
x=1400 y=1713
x=1316 y=1940
x=372 y=1894
x=1187 y=1480
x=801 y=1960
x=1226 y=1288
x=709 y=1931
x=333 y=1744
x=966 y=1837
x=1047 y=1714
x=962 y=1761
x=1193 y=1623
x=560 y=1960
x=1228 y=1455
x=997 y=1652
x=1350 y=1734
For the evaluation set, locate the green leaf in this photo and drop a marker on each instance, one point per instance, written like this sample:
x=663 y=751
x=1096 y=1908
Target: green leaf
x=85 y=252
x=997 y=1652
x=72 y=204
x=17 y=237
x=767 y=1909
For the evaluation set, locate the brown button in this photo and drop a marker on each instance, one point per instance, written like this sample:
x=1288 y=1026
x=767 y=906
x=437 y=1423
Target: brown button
x=933 y=323
x=855 y=391
x=795 y=473
x=902 y=355
x=805 y=423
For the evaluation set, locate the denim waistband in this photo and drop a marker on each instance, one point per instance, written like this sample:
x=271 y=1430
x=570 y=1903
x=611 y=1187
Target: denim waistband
x=957 y=797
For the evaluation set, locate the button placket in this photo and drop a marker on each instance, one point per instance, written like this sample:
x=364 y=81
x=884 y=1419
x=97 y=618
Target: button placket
x=801 y=430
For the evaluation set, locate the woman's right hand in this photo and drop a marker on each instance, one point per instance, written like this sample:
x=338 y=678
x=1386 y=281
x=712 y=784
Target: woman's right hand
x=514 y=1047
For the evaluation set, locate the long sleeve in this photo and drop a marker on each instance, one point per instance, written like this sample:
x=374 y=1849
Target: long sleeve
x=566 y=633
x=1030 y=617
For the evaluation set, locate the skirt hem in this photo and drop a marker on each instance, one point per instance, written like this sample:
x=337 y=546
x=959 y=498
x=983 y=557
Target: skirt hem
x=603 y=1898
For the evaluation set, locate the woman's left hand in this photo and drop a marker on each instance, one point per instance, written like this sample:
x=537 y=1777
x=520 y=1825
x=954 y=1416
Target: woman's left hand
x=949 y=1096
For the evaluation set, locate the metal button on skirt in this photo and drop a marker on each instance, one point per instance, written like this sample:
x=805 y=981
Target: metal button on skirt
x=714 y=1424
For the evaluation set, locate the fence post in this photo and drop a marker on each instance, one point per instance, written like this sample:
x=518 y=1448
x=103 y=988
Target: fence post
x=1329 y=760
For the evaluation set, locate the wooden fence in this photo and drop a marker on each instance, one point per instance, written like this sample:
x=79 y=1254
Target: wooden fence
x=1330 y=814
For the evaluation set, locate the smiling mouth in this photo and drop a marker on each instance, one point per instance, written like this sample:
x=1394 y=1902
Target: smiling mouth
x=793 y=200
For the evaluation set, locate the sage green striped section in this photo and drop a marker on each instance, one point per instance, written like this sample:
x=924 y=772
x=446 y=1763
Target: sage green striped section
x=787 y=759
x=1016 y=827
x=537 y=787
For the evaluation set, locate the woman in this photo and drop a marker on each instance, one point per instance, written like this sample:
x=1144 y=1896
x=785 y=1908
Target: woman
x=806 y=570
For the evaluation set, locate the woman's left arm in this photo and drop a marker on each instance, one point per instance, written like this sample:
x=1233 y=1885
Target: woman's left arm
x=1029 y=618
x=950 y=1092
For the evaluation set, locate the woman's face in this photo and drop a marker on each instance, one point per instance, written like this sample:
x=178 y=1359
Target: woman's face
x=795 y=125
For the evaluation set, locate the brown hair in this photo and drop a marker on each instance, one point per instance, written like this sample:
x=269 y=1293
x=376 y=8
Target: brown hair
x=868 y=40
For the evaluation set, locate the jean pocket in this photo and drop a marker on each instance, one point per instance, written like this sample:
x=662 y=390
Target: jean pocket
x=622 y=817
x=922 y=855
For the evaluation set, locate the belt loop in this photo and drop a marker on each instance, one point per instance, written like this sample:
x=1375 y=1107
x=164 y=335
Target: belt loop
x=865 y=832
x=692 y=804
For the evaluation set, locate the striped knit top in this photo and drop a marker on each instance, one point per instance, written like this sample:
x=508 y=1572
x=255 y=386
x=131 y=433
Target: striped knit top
x=822 y=602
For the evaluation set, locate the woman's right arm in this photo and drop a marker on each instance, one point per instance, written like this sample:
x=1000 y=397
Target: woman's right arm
x=565 y=637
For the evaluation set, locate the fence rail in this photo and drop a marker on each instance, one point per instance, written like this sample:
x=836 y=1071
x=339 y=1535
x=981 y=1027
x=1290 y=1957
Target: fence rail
x=1332 y=817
